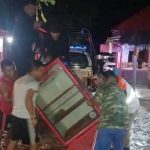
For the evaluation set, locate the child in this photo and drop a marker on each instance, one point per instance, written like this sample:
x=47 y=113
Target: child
x=6 y=88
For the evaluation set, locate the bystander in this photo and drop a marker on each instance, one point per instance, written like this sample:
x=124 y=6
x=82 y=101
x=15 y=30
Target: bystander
x=6 y=89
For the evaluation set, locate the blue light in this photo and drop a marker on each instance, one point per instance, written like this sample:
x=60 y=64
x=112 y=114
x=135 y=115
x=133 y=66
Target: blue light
x=83 y=48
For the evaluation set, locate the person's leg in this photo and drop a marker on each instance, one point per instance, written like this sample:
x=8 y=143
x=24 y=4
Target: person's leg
x=29 y=137
x=118 y=138
x=103 y=141
x=9 y=122
x=34 y=147
x=127 y=138
x=15 y=134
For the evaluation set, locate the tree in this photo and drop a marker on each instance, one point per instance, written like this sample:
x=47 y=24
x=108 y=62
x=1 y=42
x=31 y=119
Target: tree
x=39 y=10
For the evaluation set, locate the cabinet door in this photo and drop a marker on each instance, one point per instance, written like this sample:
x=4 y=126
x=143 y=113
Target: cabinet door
x=64 y=103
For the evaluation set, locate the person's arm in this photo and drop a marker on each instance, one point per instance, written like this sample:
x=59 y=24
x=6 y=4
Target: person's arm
x=29 y=103
x=4 y=93
x=30 y=106
x=98 y=97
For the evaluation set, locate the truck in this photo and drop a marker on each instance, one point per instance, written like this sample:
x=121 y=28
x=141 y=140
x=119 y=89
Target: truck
x=81 y=53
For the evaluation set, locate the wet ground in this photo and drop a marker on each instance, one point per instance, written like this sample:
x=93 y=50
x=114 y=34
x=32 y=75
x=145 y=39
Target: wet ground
x=140 y=134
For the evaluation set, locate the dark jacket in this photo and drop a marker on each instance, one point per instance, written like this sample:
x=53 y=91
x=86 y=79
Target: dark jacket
x=24 y=35
x=58 y=48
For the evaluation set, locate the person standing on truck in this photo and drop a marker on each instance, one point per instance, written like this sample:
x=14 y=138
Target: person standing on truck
x=114 y=116
x=57 y=44
x=23 y=114
x=24 y=35
x=6 y=89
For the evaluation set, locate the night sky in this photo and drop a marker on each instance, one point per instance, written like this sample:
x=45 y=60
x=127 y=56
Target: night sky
x=100 y=16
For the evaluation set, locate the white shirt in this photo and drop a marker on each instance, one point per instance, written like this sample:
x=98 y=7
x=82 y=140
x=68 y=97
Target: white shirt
x=21 y=86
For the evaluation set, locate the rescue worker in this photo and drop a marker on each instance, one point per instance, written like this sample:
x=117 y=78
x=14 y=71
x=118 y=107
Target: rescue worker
x=23 y=114
x=114 y=117
x=6 y=88
x=132 y=102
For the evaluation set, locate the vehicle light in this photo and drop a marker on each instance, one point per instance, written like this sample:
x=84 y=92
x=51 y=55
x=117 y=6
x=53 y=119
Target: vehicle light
x=10 y=39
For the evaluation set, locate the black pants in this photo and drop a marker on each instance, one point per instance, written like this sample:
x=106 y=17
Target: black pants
x=22 y=129
x=8 y=120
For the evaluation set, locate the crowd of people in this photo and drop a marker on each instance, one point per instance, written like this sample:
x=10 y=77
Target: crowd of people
x=21 y=73
x=17 y=102
x=29 y=40
x=19 y=85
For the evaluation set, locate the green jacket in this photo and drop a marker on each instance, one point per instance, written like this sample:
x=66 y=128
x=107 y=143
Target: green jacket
x=114 y=108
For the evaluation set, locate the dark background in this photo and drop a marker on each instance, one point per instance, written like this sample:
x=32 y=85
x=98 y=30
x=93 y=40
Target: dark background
x=100 y=16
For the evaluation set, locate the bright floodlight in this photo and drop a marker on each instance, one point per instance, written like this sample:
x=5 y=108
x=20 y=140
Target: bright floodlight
x=9 y=39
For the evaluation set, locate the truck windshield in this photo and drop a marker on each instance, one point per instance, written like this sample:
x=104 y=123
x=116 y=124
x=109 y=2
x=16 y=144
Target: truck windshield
x=78 y=60
x=80 y=40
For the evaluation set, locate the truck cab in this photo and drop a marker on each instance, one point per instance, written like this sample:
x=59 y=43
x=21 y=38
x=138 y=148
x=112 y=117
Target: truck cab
x=81 y=53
